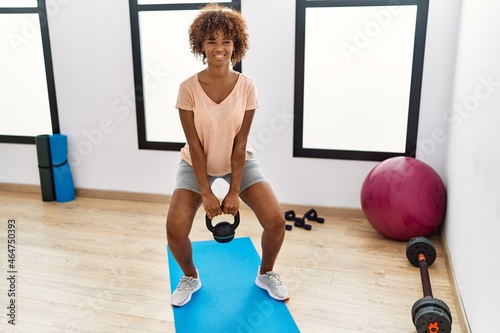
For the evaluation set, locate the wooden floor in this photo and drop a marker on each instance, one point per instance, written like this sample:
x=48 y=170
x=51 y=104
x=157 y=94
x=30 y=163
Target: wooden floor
x=98 y=265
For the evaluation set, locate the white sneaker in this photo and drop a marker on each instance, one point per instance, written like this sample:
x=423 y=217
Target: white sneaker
x=272 y=283
x=186 y=287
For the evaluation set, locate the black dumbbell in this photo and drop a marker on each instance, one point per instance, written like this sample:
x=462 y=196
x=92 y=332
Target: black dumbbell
x=289 y=216
x=312 y=215
x=297 y=221
x=300 y=222
x=429 y=314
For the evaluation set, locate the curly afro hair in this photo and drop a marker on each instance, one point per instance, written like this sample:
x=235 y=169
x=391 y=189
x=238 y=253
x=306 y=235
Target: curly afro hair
x=214 y=18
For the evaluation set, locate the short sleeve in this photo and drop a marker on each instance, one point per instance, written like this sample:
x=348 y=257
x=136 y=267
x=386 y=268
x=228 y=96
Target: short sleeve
x=185 y=100
x=252 y=98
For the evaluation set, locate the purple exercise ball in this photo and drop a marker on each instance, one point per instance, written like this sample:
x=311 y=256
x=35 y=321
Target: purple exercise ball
x=403 y=198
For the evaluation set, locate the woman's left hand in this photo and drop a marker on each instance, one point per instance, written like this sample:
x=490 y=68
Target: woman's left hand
x=231 y=203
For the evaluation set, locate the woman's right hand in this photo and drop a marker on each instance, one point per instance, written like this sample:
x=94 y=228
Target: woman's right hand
x=211 y=205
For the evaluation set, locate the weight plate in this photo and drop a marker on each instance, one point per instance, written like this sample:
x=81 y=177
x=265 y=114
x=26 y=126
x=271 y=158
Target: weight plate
x=428 y=302
x=420 y=245
x=432 y=320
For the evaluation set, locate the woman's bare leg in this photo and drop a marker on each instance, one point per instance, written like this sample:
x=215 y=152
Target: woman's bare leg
x=181 y=213
x=263 y=202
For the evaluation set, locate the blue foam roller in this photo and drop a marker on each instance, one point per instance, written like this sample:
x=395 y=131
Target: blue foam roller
x=63 y=179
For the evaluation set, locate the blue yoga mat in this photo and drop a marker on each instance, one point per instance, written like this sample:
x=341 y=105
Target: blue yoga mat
x=229 y=301
x=63 y=179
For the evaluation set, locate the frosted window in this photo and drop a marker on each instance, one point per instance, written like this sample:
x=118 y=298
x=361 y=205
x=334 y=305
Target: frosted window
x=24 y=102
x=358 y=76
x=162 y=61
x=357 y=97
x=166 y=62
x=18 y=3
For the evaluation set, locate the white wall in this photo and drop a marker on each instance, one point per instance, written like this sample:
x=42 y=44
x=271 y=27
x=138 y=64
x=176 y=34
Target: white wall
x=473 y=164
x=437 y=82
x=91 y=48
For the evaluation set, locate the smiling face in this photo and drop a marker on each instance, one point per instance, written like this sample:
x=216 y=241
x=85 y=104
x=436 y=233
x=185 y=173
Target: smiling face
x=209 y=29
x=218 y=49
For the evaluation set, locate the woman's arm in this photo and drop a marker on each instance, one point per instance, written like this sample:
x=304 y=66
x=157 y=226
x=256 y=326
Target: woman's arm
x=231 y=202
x=210 y=202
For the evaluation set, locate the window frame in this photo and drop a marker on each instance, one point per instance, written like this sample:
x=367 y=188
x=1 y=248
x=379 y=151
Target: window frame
x=135 y=9
x=415 y=85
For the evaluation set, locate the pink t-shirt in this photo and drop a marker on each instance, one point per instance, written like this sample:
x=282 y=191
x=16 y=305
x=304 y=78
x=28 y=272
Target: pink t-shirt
x=217 y=124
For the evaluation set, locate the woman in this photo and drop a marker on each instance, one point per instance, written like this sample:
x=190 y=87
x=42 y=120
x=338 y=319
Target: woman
x=216 y=108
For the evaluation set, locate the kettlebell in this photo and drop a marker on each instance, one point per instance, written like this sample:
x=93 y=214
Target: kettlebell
x=223 y=232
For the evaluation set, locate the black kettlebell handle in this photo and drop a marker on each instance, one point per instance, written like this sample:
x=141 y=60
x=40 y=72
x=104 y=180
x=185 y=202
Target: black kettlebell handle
x=235 y=224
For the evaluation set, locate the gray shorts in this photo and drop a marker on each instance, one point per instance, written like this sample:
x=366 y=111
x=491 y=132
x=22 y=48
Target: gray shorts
x=252 y=174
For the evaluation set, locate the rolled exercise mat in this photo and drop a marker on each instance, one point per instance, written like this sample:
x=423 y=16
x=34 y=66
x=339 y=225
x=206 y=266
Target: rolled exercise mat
x=45 y=167
x=228 y=301
x=63 y=180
